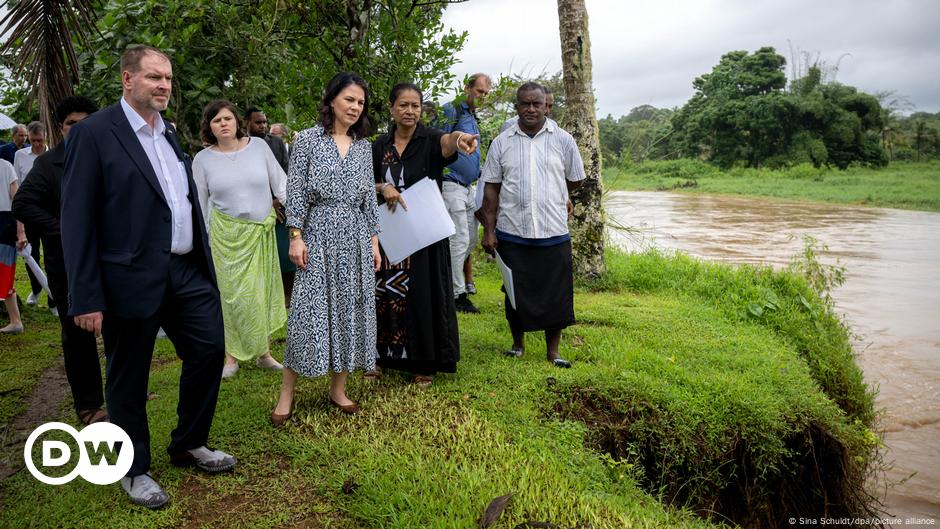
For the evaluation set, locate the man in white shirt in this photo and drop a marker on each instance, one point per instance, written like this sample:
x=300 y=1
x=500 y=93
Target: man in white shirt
x=23 y=162
x=530 y=170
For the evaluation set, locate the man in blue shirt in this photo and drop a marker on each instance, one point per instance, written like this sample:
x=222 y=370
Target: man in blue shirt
x=459 y=190
x=19 y=140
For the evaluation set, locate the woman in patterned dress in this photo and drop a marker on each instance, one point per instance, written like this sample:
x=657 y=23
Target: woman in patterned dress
x=417 y=320
x=236 y=178
x=332 y=219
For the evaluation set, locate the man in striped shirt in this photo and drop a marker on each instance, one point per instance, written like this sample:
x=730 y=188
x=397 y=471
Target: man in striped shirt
x=530 y=169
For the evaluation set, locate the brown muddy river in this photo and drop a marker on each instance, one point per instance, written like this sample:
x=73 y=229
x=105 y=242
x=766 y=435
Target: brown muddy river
x=891 y=299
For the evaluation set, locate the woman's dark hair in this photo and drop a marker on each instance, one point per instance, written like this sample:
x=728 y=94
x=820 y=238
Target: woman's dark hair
x=401 y=87
x=209 y=113
x=359 y=129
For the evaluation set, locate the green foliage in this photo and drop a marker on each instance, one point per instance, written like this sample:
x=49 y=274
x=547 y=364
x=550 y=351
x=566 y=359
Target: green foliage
x=277 y=56
x=912 y=138
x=641 y=135
x=742 y=114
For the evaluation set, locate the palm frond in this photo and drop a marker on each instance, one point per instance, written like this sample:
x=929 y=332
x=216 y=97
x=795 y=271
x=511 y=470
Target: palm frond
x=39 y=49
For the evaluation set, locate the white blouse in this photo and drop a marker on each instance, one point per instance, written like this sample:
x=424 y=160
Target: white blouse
x=241 y=183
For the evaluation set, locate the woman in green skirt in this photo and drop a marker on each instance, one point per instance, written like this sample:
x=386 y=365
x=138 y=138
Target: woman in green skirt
x=237 y=178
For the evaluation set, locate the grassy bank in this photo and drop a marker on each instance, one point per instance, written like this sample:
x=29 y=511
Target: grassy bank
x=913 y=186
x=680 y=397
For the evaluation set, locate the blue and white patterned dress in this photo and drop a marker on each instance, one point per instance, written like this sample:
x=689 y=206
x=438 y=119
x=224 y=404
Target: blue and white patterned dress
x=331 y=325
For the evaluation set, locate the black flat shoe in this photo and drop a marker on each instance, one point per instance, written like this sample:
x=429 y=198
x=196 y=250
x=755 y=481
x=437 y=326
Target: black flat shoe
x=561 y=362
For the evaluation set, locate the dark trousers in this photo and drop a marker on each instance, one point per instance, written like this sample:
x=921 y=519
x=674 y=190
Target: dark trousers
x=191 y=316
x=32 y=235
x=80 y=350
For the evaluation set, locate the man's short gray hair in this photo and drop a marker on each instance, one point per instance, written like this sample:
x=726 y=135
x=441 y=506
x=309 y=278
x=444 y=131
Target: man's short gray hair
x=472 y=80
x=15 y=128
x=36 y=128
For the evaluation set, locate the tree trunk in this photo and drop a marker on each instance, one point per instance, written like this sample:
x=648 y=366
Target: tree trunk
x=587 y=225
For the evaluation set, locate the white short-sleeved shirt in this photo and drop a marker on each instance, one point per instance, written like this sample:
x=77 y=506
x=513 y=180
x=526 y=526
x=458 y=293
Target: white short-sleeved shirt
x=7 y=177
x=23 y=162
x=533 y=173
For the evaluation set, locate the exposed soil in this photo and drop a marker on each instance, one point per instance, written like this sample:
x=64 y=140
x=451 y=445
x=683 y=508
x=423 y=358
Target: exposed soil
x=819 y=480
x=45 y=401
x=273 y=491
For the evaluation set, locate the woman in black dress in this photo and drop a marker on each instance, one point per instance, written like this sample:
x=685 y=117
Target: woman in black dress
x=417 y=321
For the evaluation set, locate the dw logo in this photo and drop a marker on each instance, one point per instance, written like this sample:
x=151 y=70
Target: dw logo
x=105 y=453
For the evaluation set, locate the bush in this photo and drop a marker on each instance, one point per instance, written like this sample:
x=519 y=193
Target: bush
x=685 y=168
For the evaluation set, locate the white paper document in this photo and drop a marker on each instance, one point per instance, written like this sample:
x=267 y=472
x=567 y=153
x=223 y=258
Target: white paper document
x=507 y=280
x=34 y=266
x=424 y=223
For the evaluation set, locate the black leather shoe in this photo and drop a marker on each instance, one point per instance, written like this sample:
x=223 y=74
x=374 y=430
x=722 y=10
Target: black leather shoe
x=463 y=304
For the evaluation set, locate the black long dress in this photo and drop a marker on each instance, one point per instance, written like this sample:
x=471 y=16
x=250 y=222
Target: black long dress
x=417 y=320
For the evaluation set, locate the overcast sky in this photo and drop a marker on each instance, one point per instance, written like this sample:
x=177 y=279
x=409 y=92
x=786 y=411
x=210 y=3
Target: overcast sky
x=649 y=51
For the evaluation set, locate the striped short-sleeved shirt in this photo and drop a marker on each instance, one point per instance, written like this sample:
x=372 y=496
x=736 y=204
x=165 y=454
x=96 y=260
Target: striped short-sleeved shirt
x=533 y=174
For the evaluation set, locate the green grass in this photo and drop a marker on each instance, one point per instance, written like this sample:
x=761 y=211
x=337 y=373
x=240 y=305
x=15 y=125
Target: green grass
x=676 y=391
x=23 y=357
x=914 y=186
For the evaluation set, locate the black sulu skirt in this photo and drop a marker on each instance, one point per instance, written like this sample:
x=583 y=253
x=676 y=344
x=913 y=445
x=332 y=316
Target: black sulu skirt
x=543 y=283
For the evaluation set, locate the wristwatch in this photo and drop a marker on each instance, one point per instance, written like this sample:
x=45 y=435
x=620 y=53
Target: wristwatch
x=293 y=233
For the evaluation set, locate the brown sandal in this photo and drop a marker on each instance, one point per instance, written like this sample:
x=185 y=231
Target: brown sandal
x=424 y=381
x=373 y=375
x=92 y=416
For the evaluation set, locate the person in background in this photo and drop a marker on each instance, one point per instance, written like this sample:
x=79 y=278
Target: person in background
x=8 y=151
x=235 y=177
x=12 y=238
x=458 y=190
x=257 y=125
x=137 y=258
x=23 y=162
x=417 y=320
x=279 y=130
x=38 y=203
x=332 y=217
x=530 y=170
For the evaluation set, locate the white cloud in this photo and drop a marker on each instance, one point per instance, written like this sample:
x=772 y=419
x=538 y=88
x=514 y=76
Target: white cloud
x=649 y=51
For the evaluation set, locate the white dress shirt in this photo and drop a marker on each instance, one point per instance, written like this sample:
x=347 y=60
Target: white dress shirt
x=533 y=173
x=171 y=173
x=23 y=162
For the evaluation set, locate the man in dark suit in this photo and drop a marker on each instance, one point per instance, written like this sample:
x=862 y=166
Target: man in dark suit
x=137 y=257
x=38 y=203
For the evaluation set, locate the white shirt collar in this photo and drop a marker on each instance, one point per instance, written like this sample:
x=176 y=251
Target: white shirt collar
x=137 y=122
x=548 y=126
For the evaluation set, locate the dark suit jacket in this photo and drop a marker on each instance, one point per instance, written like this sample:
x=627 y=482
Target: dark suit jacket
x=279 y=148
x=37 y=203
x=116 y=224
